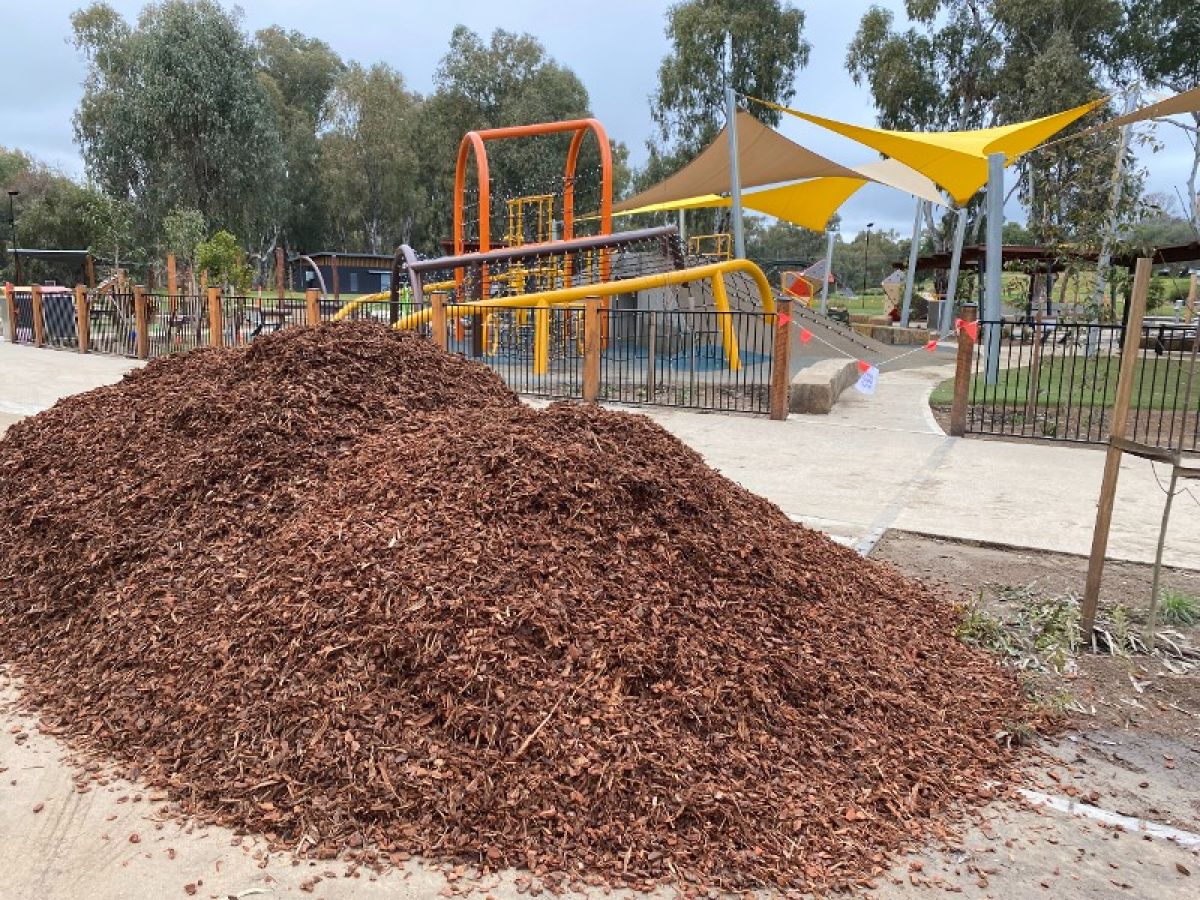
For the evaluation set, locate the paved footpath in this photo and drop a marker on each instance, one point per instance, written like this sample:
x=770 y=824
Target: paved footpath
x=874 y=463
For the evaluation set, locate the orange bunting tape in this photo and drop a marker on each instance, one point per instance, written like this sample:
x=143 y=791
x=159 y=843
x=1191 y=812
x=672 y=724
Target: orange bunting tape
x=863 y=366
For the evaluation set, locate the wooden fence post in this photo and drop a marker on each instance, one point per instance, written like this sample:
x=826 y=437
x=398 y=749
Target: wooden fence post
x=312 y=307
x=1191 y=299
x=437 y=303
x=591 y=350
x=781 y=360
x=172 y=287
x=962 y=374
x=280 y=287
x=216 y=323
x=1131 y=348
x=39 y=325
x=82 y=322
x=10 y=311
x=337 y=285
x=141 y=322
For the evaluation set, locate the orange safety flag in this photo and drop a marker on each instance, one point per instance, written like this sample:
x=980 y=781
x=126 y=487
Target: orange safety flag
x=784 y=319
x=863 y=366
x=932 y=345
x=805 y=335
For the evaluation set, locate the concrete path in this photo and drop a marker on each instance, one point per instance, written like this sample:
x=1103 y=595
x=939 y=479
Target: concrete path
x=874 y=463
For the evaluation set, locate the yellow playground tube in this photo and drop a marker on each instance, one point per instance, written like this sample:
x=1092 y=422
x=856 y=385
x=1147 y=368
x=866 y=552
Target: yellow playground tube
x=542 y=301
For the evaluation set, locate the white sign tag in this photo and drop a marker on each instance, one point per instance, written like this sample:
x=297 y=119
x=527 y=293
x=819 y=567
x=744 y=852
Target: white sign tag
x=867 y=381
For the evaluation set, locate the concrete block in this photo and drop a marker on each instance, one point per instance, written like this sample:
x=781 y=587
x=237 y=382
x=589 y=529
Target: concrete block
x=816 y=388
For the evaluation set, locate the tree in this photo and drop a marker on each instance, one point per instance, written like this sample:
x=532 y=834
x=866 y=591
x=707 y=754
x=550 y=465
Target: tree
x=508 y=80
x=173 y=114
x=183 y=231
x=1160 y=39
x=688 y=106
x=370 y=159
x=56 y=212
x=963 y=64
x=766 y=241
x=225 y=262
x=298 y=74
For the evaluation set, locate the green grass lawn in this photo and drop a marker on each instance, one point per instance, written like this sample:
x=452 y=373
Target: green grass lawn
x=1159 y=384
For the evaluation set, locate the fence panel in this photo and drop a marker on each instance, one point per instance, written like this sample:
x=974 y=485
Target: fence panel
x=111 y=323
x=1057 y=381
x=177 y=323
x=23 y=326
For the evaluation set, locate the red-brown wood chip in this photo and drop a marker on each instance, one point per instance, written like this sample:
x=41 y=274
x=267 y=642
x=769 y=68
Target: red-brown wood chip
x=345 y=590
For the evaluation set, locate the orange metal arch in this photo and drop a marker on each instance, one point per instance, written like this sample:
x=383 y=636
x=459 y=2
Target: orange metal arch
x=474 y=141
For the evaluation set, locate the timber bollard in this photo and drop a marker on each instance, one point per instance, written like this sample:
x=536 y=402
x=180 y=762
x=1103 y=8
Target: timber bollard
x=962 y=373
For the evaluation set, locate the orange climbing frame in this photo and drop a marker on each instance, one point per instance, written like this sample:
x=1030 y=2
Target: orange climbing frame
x=475 y=141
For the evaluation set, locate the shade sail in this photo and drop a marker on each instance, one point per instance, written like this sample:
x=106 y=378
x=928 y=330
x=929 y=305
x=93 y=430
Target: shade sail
x=811 y=203
x=956 y=160
x=1187 y=102
x=764 y=157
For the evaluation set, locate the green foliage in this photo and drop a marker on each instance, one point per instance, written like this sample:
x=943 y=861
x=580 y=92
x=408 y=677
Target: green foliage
x=173 y=114
x=369 y=158
x=770 y=239
x=225 y=262
x=979 y=628
x=1178 y=608
x=965 y=64
x=183 y=230
x=768 y=49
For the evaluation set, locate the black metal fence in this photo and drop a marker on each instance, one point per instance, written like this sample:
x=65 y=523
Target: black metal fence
x=23 y=325
x=693 y=359
x=112 y=326
x=1058 y=381
x=176 y=323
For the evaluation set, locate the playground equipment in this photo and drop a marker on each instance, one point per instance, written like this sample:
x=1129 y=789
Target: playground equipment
x=712 y=246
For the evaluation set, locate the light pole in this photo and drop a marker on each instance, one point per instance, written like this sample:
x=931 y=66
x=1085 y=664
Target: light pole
x=866 y=250
x=12 y=225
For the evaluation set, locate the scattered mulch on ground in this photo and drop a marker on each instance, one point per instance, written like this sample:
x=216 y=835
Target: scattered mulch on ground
x=346 y=590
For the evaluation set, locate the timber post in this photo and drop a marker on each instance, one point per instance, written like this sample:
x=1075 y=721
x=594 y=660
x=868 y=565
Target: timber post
x=141 y=322
x=781 y=364
x=1130 y=353
x=962 y=373
x=216 y=323
x=312 y=307
x=82 y=322
x=591 y=350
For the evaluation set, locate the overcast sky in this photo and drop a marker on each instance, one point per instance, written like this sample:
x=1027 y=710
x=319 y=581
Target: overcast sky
x=614 y=46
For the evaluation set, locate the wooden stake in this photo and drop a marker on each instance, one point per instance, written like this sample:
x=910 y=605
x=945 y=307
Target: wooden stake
x=312 y=307
x=10 y=311
x=216 y=324
x=591 y=350
x=82 y=323
x=337 y=287
x=781 y=366
x=141 y=322
x=962 y=375
x=39 y=326
x=1191 y=300
x=280 y=287
x=437 y=317
x=1130 y=353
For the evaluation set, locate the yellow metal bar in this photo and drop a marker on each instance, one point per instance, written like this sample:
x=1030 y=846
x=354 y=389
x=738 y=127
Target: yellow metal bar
x=541 y=339
x=712 y=271
x=357 y=302
x=725 y=323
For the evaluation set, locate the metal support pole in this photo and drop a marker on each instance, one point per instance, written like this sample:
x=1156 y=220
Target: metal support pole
x=683 y=230
x=910 y=276
x=828 y=269
x=995 y=263
x=960 y=233
x=735 y=177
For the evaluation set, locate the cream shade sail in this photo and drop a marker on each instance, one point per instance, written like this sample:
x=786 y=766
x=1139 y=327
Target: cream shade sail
x=955 y=160
x=1187 y=102
x=764 y=157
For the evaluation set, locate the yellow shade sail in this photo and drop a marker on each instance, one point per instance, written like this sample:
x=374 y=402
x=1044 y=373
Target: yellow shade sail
x=956 y=160
x=812 y=203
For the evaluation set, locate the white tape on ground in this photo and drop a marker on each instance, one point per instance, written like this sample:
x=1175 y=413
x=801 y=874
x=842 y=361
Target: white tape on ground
x=1139 y=826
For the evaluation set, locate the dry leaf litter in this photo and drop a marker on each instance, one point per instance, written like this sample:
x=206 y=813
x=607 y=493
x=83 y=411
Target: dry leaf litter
x=346 y=590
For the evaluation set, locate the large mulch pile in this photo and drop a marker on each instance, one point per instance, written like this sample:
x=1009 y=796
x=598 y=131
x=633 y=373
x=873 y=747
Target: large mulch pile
x=344 y=589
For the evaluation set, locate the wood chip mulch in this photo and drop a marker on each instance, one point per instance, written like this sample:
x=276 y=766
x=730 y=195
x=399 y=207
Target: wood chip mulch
x=347 y=591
